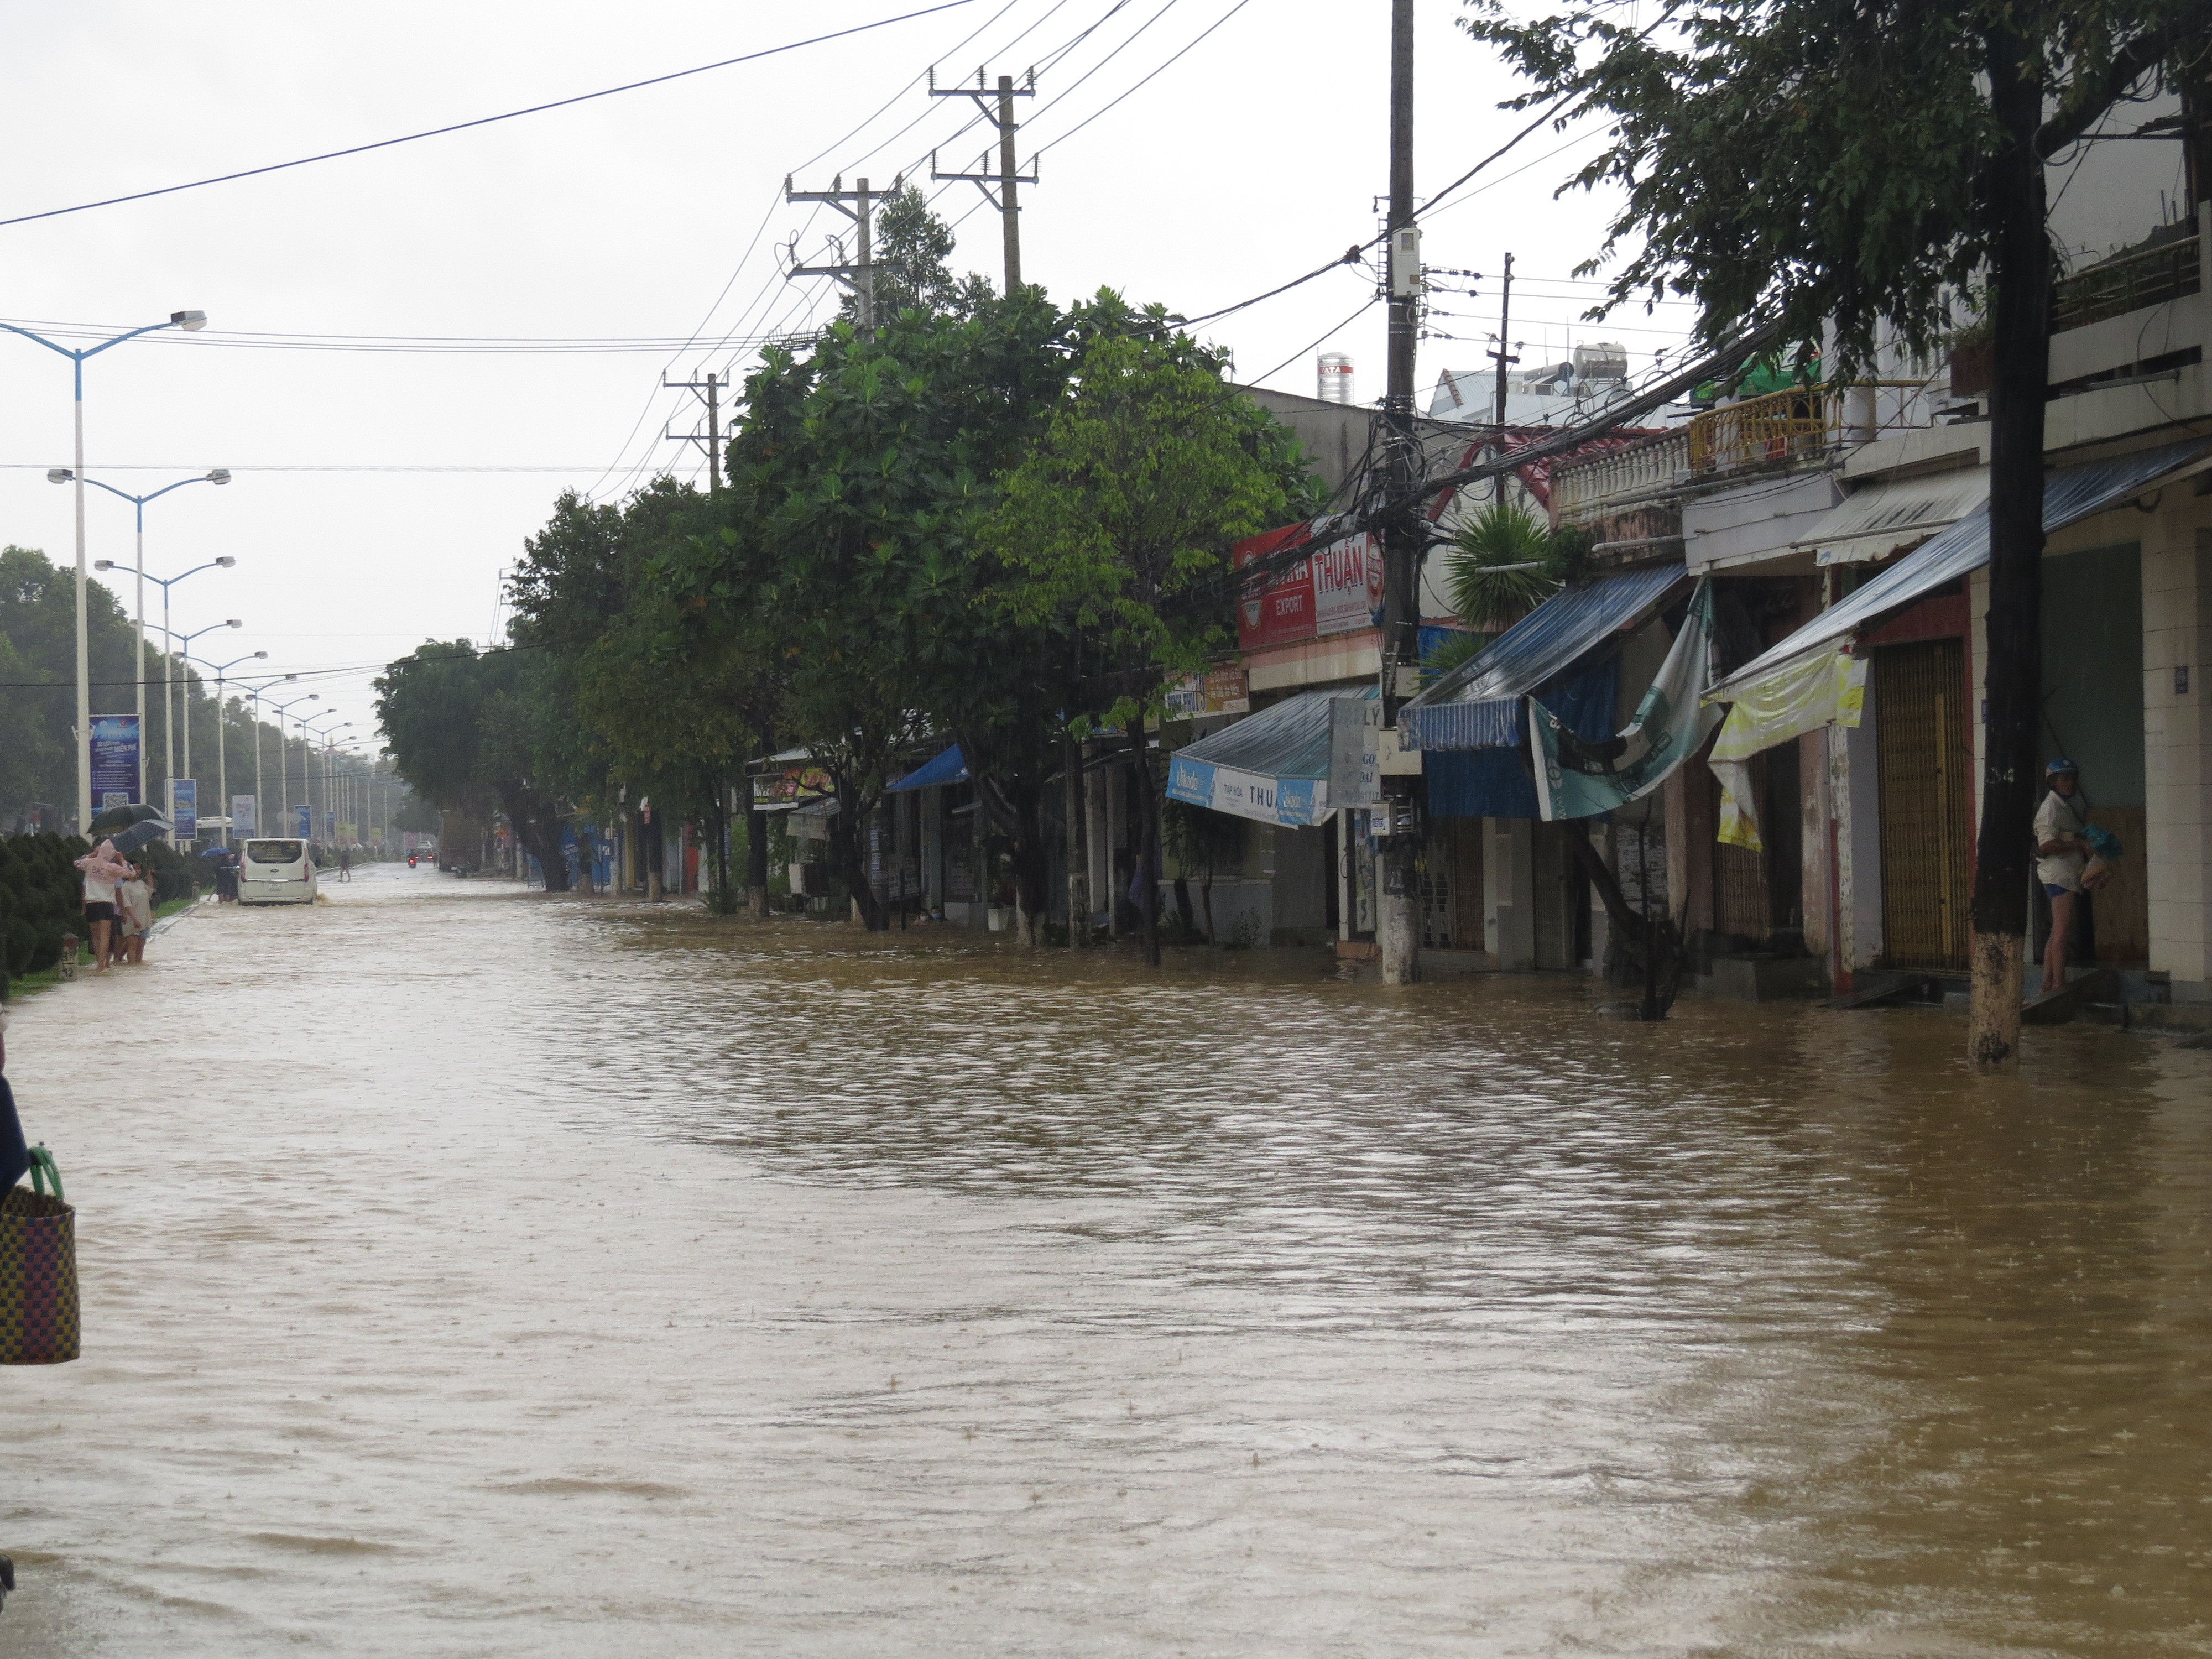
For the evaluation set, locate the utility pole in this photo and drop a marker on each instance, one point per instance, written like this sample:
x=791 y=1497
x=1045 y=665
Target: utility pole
x=712 y=437
x=997 y=107
x=860 y=276
x=1403 y=532
x=1504 y=356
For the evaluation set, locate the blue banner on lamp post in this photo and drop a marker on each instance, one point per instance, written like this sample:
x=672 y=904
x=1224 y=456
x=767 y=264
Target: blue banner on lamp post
x=184 y=809
x=306 y=822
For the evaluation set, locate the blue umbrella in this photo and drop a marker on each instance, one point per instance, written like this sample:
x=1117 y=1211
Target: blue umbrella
x=139 y=834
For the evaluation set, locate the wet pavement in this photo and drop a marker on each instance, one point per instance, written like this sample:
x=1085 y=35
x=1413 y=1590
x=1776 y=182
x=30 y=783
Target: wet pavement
x=474 y=1273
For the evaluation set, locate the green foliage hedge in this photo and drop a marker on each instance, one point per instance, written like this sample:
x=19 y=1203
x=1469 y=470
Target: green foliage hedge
x=42 y=895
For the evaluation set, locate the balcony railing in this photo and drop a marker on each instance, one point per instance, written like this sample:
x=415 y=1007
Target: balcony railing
x=1584 y=488
x=2130 y=282
x=1762 y=431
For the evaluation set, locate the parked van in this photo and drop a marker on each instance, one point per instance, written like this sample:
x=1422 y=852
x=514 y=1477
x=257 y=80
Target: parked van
x=276 y=873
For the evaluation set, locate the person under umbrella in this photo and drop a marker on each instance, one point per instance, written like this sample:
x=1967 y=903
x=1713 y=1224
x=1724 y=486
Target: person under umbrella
x=103 y=869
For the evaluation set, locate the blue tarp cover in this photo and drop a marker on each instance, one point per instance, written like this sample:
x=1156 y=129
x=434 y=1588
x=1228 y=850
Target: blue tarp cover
x=2070 y=493
x=1495 y=783
x=1288 y=739
x=950 y=767
x=1478 y=705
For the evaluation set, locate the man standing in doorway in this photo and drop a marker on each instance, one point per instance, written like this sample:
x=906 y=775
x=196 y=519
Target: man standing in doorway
x=2062 y=850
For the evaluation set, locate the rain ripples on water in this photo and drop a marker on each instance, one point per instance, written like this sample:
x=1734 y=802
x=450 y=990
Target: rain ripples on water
x=469 y=1271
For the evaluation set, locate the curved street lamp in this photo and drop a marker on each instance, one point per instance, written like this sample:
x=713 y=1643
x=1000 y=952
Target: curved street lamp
x=324 y=738
x=284 y=772
x=222 y=766
x=184 y=652
x=168 y=645
x=190 y=321
x=253 y=691
x=219 y=475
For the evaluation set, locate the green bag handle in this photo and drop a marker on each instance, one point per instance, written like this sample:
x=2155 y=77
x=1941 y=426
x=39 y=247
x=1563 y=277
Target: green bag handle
x=43 y=1171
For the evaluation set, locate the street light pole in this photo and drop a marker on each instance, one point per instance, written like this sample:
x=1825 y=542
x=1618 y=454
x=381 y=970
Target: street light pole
x=284 y=772
x=184 y=655
x=190 y=321
x=169 y=647
x=221 y=764
x=253 y=693
x=63 y=475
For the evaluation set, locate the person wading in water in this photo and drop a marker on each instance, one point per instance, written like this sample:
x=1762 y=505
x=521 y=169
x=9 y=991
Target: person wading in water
x=2062 y=849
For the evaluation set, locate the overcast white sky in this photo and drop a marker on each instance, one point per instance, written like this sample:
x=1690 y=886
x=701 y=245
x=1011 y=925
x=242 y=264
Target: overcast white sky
x=1253 y=157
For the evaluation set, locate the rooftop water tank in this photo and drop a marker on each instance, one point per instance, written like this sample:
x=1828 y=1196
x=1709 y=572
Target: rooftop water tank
x=1601 y=360
x=1333 y=370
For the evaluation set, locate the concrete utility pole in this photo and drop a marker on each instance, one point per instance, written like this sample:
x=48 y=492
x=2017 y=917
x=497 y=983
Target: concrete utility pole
x=1506 y=356
x=997 y=107
x=860 y=276
x=711 y=391
x=1398 y=932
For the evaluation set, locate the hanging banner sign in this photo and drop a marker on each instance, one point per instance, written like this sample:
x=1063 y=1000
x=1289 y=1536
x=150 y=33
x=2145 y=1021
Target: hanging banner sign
x=1347 y=585
x=1827 y=688
x=1217 y=691
x=1281 y=610
x=799 y=783
x=1355 y=757
x=115 y=768
x=1298 y=802
x=305 y=822
x=185 y=809
x=1578 y=779
x=244 y=816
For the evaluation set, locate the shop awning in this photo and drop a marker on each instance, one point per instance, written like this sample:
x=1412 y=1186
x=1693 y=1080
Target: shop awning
x=2069 y=495
x=1272 y=766
x=1478 y=704
x=1874 y=522
x=950 y=767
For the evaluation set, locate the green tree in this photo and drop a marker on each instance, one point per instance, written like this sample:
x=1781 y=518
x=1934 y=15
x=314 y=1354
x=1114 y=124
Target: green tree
x=855 y=475
x=912 y=255
x=1115 y=527
x=458 y=726
x=1861 y=167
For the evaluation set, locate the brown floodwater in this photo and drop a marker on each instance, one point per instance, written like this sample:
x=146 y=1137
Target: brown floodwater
x=474 y=1273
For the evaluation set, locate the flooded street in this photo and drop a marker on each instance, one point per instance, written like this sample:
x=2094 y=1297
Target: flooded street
x=474 y=1273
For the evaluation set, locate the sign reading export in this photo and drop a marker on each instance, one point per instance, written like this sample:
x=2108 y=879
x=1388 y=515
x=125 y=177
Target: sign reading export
x=1336 y=589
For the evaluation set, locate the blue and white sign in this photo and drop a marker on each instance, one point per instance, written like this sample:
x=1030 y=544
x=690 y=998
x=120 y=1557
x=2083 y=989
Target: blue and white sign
x=245 y=820
x=114 y=759
x=185 y=809
x=1298 y=802
x=305 y=820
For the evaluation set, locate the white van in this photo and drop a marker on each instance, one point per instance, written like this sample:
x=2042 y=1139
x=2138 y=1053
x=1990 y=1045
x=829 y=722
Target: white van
x=276 y=873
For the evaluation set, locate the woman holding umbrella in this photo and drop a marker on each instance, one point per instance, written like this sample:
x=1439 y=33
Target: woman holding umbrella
x=104 y=869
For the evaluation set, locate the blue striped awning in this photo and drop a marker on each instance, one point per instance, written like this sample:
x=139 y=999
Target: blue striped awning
x=1478 y=704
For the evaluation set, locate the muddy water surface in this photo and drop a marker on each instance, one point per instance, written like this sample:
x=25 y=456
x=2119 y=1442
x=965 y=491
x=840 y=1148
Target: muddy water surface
x=472 y=1273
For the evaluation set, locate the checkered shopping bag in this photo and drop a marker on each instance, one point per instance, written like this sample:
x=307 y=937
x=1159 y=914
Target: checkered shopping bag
x=38 y=1270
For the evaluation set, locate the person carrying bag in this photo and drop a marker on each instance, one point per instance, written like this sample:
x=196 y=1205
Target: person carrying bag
x=39 y=1322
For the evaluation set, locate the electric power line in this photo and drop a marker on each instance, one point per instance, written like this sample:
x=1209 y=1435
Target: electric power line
x=488 y=120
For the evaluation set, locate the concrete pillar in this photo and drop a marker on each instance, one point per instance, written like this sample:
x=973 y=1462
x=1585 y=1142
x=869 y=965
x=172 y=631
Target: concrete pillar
x=1508 y=893
x=2177 y=602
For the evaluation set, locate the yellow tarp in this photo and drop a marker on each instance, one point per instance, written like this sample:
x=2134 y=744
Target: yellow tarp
x=1826 y=688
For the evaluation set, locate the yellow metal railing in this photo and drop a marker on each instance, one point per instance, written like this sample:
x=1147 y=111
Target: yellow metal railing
x=1760 y=431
